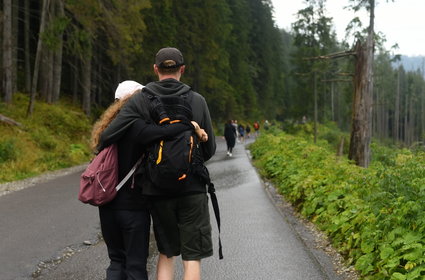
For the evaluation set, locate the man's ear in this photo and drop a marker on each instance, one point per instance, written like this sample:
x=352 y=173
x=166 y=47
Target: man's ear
x=182 y=68
x=155 y=69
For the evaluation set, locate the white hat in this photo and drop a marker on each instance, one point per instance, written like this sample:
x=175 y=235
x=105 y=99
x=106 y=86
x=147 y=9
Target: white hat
x=127 y=87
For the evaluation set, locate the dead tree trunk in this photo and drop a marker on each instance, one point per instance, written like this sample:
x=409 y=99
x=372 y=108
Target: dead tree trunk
x=362 y=108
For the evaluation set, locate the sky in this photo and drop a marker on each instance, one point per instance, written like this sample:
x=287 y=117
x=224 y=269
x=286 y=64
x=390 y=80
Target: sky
x=402 y=21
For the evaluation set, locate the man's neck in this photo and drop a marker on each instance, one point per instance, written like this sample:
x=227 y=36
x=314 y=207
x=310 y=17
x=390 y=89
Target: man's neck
x=164 y=77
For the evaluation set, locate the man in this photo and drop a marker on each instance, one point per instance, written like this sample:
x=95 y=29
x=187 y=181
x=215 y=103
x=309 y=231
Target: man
x=181 y=223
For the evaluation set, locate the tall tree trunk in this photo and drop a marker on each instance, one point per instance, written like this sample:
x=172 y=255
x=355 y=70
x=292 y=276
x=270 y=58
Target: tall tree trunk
x=376 y=115
x=362 y=105
x=384 y=121
x=387 y=122
x=57 y=58
x=87 y=85
x=1 y=56
x=332 y=101
x=38 y=56
x=15 y=32
x=410 y=121
x=397 y=110
x=422 y=136
x=75 y=79
x=27 y=34
x=47 y=74
x=46 y=70
x=315 y=105
x=7 y=51
x=406 y=121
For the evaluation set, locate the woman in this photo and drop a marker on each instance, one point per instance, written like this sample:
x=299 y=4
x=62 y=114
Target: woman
x=125 y=221
x=230 y=136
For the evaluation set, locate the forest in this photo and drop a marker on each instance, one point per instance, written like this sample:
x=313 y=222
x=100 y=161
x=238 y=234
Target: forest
x=237 y=58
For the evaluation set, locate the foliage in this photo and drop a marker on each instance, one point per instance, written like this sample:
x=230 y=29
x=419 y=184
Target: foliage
x=374 y=216
x=236 y=57
x=55 y=137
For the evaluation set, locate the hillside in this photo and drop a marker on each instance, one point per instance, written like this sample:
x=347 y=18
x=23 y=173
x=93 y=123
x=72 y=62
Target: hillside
x=413 y=63
x=54 y=137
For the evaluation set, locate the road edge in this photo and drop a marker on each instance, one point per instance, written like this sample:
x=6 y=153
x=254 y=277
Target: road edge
x=316 y=241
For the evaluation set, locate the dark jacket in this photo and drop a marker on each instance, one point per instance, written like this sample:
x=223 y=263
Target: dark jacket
x=230 y=134
x=137 y=107
x=130 y=149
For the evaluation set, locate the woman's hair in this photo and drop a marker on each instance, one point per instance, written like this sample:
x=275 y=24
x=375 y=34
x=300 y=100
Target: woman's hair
x=105 y=120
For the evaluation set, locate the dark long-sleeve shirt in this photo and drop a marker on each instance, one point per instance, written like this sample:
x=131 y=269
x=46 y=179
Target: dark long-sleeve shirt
x=130 y=148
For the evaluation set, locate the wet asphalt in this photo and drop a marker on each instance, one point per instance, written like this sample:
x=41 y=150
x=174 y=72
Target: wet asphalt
x=46 y=233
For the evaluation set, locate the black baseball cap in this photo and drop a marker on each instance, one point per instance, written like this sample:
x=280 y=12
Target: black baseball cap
x=169 y=53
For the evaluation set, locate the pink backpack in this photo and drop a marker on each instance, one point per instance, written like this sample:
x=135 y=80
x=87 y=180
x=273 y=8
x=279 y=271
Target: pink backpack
x=98 y=182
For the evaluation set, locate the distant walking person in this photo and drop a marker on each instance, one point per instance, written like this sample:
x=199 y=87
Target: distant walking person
x=235 y=124
x=230 y=136
x=241 y=131
x=256 y=128
x=248 y=131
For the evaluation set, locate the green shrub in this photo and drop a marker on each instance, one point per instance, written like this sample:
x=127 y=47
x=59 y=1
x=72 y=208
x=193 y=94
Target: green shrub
x=8 y=150
x=374 y=216
x=53 y=137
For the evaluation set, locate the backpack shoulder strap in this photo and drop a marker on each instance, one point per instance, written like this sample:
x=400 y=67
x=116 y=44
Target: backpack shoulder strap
x=131 y=172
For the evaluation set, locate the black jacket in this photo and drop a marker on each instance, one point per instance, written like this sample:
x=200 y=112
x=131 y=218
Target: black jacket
x=137 y=107
x=131 y=146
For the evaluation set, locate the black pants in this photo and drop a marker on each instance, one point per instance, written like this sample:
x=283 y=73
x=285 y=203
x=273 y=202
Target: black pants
x=126 y=234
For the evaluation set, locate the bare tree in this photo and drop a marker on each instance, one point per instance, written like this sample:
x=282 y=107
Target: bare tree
x=7 y=51
x=362 y=105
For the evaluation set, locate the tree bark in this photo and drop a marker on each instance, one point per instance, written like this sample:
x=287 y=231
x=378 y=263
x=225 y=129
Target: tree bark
x=27 y=33
x=7 y=51
x=15 y=32
x=75 y=81
x=362 y=106
x=38 y=56
x=315 y=106
x=361 y=118
x=397 y=110
x=47 y=76
x=87 y=85
x=57 y=58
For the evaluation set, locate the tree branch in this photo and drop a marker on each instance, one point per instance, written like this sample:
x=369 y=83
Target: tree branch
x=9 y=120
x=333 y=55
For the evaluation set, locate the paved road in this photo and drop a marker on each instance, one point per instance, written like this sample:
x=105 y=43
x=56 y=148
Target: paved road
x=43 y=229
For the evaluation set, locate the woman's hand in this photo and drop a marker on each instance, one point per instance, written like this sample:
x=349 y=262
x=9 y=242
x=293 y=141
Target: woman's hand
x=202 y=135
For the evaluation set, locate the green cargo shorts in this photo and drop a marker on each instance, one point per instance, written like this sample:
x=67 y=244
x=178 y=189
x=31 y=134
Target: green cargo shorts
x=182 y=226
